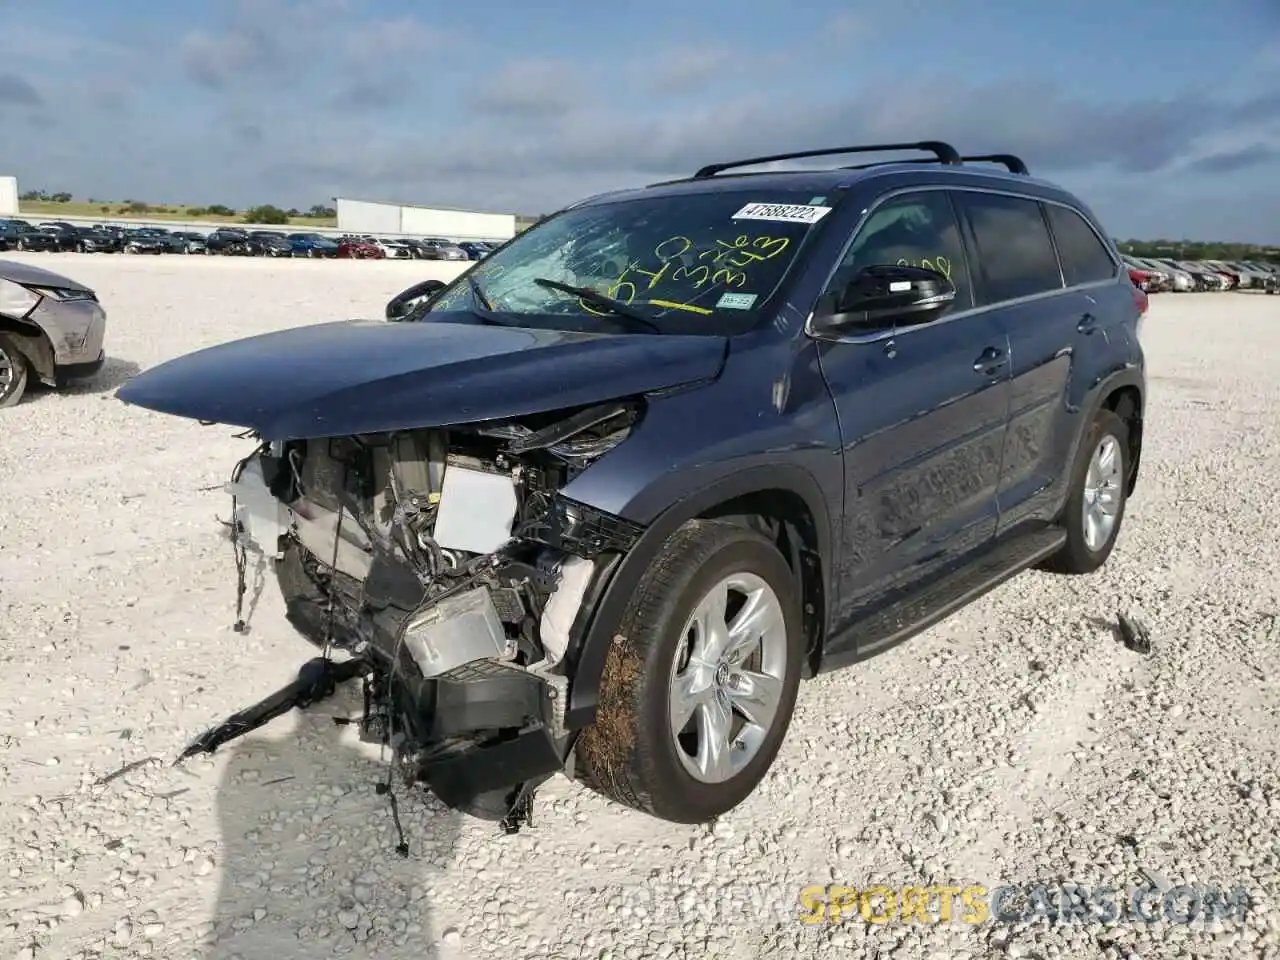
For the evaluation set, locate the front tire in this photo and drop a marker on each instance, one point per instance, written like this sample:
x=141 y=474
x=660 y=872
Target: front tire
x=1099 y=493
x=13 y=373
x=701 y=680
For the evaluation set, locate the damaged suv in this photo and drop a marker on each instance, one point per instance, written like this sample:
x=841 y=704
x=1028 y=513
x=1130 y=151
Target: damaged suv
x=50 y=327
x=598 y=505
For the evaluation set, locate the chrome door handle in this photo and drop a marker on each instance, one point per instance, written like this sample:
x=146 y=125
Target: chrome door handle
x=989 y=360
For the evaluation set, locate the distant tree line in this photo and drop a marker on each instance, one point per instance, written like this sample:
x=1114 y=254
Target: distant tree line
x=266 y=213
x=41 y=195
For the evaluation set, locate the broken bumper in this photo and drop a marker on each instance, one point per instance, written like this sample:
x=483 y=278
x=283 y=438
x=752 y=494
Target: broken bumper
x=491 y=780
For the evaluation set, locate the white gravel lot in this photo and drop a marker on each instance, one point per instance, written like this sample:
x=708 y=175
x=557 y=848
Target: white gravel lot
x=1018 y=742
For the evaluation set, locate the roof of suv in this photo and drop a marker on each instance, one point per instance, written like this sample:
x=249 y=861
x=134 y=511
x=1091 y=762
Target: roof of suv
x=946 y=163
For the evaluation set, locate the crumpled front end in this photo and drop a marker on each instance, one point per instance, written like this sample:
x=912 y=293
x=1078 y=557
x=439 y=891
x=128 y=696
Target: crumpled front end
x=447 y=563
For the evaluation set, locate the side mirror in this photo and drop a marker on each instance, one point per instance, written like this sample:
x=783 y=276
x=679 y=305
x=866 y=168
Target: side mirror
x=884 y=295
x=402 y=304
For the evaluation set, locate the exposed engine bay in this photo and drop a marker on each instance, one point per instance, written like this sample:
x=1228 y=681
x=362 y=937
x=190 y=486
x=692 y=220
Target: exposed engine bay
x=448 y=568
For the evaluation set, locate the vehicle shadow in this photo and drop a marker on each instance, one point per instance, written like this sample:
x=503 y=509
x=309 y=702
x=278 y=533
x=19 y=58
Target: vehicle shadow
x=115 y=373
x=308 y=855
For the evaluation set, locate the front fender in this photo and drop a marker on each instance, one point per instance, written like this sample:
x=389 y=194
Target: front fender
x=35 y=345
x=603 y=609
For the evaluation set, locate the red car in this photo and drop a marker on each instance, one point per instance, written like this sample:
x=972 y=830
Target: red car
x=1140 y=278
x=360 y=250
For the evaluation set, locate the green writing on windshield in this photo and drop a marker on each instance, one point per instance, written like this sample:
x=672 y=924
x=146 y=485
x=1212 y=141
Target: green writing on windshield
x=726 y=263
x=673 y=271
x=939 y=263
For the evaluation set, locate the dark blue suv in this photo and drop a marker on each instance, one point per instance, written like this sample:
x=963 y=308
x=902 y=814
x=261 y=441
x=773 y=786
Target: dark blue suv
x=600 y=503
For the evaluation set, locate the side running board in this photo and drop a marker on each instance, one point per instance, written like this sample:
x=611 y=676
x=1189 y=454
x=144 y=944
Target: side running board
x=913 y=614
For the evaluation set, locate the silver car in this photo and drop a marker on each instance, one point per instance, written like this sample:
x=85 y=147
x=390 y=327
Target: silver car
x=51 y=328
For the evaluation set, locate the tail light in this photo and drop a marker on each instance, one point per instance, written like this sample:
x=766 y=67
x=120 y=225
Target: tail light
x=1142 y=302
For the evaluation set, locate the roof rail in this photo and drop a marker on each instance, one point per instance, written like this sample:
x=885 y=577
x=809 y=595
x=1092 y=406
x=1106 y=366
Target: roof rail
x=1009 y=161
x=943 y=153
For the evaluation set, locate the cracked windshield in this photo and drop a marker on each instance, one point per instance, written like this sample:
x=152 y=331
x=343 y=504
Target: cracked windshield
x=678 y=264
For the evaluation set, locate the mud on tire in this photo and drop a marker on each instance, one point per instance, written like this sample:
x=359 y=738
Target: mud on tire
x=629 y=754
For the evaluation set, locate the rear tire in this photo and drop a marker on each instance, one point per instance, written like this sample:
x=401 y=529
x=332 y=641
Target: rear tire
x=13 y=373
x=1099 y=478
x=655 y=673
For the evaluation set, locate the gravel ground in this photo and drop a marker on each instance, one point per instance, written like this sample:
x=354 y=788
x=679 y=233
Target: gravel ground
x=1018 y=742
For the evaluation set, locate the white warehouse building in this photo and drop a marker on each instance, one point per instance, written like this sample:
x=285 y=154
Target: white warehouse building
x=8 y=196
x=374 y=217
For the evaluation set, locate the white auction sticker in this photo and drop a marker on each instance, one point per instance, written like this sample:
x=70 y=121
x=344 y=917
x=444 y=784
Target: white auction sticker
x=782 y=212
x=735 y=301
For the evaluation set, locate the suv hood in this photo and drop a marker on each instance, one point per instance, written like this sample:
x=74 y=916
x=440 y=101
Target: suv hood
x=371 y=376
x=26 y=274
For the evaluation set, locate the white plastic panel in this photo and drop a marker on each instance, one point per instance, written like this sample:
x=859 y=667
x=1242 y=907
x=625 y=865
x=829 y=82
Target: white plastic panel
x=263 y=516
x=476 y=510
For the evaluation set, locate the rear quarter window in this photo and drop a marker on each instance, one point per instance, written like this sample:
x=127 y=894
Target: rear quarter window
x=1085 y=259
x=1015 y=254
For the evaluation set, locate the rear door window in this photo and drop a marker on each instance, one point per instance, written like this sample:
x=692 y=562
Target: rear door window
x=1015 y=255
x=1085 y=259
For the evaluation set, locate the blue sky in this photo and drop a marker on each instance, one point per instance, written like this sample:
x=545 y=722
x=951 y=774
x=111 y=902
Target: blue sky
x=1164 y=117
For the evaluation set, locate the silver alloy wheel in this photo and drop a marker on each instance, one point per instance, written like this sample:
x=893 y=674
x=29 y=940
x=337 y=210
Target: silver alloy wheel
x=727 y=678
x=8 y=372
x=1102 y=493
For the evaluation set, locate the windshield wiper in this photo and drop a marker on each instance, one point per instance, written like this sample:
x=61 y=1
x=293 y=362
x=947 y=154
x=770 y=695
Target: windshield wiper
x=595 y=297
x=479 y=294
x=483 y=310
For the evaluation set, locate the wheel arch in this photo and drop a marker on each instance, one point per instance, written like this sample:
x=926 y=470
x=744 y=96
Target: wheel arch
x=1122 y=391
x=1124 y=397
x=34 y=345
x=782 y=501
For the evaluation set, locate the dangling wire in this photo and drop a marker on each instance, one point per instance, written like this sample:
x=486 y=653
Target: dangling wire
x=402 y=847
x=237 y=539
x=333 y=580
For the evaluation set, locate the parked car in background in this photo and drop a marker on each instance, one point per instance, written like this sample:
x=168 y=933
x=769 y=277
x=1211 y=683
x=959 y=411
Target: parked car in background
x=312 y=245
x=269 y=243
x=1251 y=277
x=437 y=248
x=51 y=328
x=66 y=237
x=37 y=239
x=354 y=248
x=1218 y=281
x=11 y=234
x=1268 y=274
x=394 y=249
x=475 y=249
x=145 y=240
x=102 y=239
x=228 y=241
x=170 y=241
x=1201 y=279
x=1229 y=274
x=1176 y=278
x=190 y=241
x=1144 y=278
